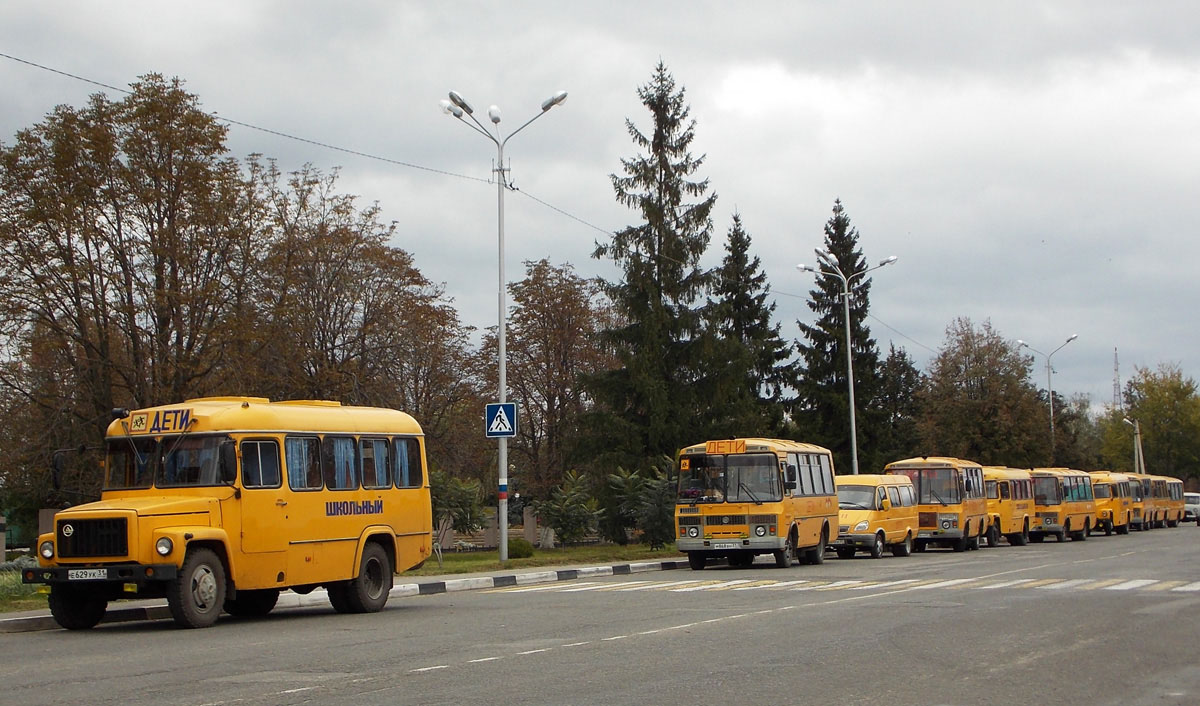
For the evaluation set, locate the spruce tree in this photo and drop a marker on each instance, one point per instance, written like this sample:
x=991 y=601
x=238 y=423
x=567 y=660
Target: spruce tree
x=821 y=408
x=647 y=407
x=754 y=370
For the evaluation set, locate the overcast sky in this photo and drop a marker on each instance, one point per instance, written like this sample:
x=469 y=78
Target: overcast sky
x=1035 y=164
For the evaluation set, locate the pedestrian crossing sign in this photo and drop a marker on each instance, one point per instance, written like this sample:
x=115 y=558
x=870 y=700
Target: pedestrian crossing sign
x=500 y=420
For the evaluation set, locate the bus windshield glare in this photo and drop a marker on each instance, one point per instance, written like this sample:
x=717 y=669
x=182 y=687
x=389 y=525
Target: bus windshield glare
x=856 y=497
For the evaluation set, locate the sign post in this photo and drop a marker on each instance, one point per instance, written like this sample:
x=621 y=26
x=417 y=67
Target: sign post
x=500 y=422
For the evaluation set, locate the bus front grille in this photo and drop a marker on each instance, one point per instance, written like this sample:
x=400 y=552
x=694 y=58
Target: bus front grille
x=83 y=538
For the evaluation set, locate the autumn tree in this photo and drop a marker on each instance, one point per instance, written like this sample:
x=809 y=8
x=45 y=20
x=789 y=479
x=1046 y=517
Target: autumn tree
x=748 y=391
x=555 y=320
x=898 y=407
x=649 y=404
x=978 y=402
x=1166 y=405
x=821 y=408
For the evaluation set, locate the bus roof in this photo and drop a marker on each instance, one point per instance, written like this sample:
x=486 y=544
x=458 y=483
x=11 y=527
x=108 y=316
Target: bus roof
x=755 y=444
x=1060 y=472
x=871 y=479
x=229 y=414
x=932 y=462
x=1005 y=473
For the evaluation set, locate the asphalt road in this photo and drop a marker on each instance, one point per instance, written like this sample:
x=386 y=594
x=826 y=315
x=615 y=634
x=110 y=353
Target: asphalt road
x=1113 y=620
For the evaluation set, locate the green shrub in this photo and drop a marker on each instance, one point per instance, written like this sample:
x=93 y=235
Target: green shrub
x=519 y=548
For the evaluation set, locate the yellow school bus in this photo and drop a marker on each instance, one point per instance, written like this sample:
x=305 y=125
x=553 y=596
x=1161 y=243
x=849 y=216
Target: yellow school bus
x=1010 y=504
x=738 y=498
x=1151 y=509
x=1168 y=498
x=1114 y=494
x=875 y=512
x=950 y=497
x=1064 y=503
x=219 y=503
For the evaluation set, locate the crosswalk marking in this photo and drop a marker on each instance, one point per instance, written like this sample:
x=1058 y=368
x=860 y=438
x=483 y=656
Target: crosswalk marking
x=977 y=583
x=1165 y=585
x=1064 y=584
x=1127 y=585
x=1003 y=584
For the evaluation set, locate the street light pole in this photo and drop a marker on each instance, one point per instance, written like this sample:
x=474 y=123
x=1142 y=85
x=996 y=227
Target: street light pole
x=1139 y=463
x=457 y=106
x=828 y=266
x=1049 y=381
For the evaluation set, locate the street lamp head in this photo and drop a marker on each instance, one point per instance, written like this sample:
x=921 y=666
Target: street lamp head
x=450 y=109
x=494 y=114
x=556 y=99
x=889 y=260
x=461 y=102
x=1128 y=421
x=1073 y=337
x=1022 y=344
x=805 y=268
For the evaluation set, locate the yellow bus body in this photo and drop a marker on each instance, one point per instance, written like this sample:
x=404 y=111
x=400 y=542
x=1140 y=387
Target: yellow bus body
x=294 y=494
x=1115 y=509
x=1064 y=503
x=875 y=512
x=1151 y=510
x=738 y=498
x=1009 y=502
x=950 y=500
x=1168 y=499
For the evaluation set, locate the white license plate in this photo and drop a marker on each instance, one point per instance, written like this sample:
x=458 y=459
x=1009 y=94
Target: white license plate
x=725 y=545
x=86 y=574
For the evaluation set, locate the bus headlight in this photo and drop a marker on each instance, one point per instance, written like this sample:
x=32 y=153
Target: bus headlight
x=693 y=532
x=47 y=550
x=760 y=531
x=164 y=546
x=946 y=524
x=862 y=526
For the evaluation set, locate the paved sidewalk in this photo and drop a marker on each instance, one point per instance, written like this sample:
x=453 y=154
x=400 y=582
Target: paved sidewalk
x=126 y=611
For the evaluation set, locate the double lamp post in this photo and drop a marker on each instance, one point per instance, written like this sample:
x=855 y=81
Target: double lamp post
x=458 y=107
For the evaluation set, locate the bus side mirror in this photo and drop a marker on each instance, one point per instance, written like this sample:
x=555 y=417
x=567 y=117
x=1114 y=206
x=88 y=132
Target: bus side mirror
x=789 y=485
x=228 y=462
x=885 y=505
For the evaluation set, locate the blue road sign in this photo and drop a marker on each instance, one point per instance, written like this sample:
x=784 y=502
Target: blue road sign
x=500 y=420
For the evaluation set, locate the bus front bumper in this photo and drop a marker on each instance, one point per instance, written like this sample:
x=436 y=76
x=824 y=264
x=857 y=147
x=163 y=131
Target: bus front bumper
x=755 y=544
x=846 y=541
x=927 y=533
x=139 y=574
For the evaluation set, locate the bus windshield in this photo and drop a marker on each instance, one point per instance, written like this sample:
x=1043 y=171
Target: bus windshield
x=130 y=463
x=1046 y=490
x=934 y=486
x=190 y=461
x=856 y=497
x=751 y=478
x=1102 y=490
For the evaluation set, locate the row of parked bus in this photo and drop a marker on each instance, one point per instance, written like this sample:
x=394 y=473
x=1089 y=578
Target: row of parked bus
x=739 y=498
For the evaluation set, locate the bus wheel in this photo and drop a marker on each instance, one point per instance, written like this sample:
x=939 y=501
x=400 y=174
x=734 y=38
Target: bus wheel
x=903 y=548
x=878 y=545
x=197 y=595
x=697 y=561
x=960 y=544
x=76 y=609
x=368 y=592
x=252 y=604
x=816 y=555
x=993 y=535
x=783 y=557
x=1108 y=528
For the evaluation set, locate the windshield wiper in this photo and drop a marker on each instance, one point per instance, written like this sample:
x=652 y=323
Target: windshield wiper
x=936 y=496
x=849 y=505
x=742 y=486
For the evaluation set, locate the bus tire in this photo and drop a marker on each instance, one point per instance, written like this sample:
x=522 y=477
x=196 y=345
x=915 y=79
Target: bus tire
x=197 y=594
x=783 y=557
x=1108 y=528
x=1122 y=529
x=252 y=604
x=76 y=609
x=878 y=545
x=368 y=592
x=993 y=535
x=960 y=544
x=697 y=561
x=816 y=555
x=903 y=548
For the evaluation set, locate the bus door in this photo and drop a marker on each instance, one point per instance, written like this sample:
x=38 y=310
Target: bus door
x=265 y=497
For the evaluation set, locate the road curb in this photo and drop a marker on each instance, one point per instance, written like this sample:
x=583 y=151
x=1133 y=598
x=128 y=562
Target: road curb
x=318 y=597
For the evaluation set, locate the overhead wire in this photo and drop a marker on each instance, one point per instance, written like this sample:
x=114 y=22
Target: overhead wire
x=410 y=165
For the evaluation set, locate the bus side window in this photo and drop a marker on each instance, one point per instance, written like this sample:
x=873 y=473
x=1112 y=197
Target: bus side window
x=909 y=495
x=374 y=453
x=408 y=464
x=827 y=474
x=1004 y=491
x=894 y=495
x=260 y=464
x=303 y=458
x=339 y=462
